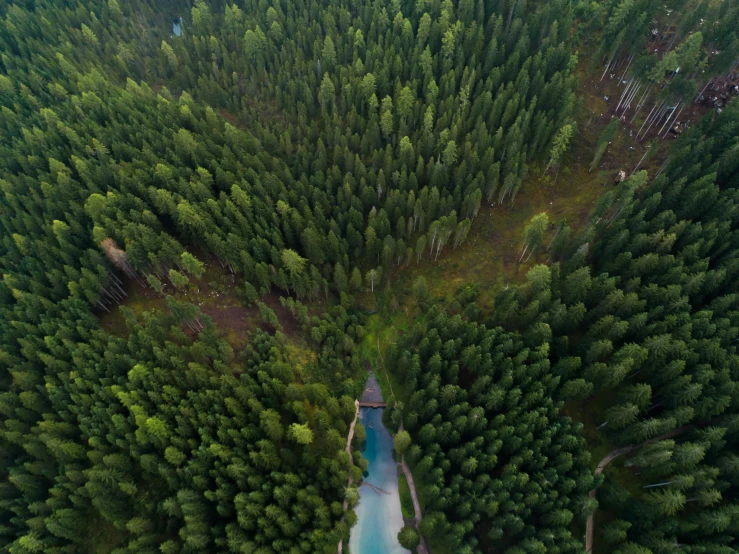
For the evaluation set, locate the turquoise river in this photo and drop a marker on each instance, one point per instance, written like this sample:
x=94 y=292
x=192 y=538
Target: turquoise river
x=379 y=518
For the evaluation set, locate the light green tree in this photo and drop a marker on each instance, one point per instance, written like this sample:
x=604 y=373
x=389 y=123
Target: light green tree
x=560 y=145
x=300 y=433
x=402 y=442
x=534 y=234
x=293 y=262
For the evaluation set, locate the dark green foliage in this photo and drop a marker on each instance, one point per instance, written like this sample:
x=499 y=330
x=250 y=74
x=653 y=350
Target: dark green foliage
x=490 y=447
x=648 y=329
x=408 y=537
x=318 y=146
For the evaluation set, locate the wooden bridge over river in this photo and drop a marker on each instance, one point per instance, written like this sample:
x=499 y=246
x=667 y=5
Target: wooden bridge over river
x=372 y=404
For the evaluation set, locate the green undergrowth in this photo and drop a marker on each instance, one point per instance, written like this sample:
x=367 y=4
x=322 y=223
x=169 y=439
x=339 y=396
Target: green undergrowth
x=490 y=255
x=382 y=329
x=406 y=502
x=216 y=294
x=215 y=290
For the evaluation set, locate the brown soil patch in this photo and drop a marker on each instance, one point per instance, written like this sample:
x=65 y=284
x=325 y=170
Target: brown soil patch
x=290 y=326
x=231 y=320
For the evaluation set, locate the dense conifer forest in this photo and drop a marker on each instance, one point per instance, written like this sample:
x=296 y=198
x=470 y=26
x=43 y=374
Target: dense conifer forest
x=329 y=154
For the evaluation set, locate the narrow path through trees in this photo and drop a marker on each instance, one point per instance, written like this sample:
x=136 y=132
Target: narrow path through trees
x=421 y=548
x=349 y=451
x=590 y=525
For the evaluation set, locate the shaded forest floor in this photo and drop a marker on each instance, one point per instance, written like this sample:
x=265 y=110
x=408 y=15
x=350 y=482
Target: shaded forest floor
x=217 y=295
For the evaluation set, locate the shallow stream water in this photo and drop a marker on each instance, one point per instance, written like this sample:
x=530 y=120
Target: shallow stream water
x=379 y=518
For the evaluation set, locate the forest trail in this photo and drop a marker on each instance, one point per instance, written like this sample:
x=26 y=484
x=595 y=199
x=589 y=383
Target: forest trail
x=422 y=548
x=590 y=525
x=349 y=451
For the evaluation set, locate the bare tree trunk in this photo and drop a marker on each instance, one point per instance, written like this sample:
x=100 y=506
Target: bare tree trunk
x=645 y=121
x=114 y=295
x=608 y=65
x=668 y=119
x=523 y=254
x=631 y=99
x=120 y=289
x=624 y=93
x=554 y=237
x=510 y=15
x=657 y=118
x=631 y=59
x=657 y=485
x=615 y=215
x=640 y=161
x=672 y=42
x=640 y=104
x=112 y=299
x=676 y=118
x=704 y=90
x=667 y=28
x=661 y=169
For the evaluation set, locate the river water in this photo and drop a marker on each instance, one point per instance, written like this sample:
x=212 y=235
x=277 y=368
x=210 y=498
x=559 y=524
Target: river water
x=379 y=518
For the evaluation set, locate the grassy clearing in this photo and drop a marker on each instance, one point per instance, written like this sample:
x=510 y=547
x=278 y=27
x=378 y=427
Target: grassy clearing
x=406 y=502
x=491 y=252
x=382 y=329
x=216 y=294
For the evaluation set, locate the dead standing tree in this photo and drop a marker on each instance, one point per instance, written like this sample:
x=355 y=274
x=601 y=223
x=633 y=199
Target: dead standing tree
x=119 y=259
